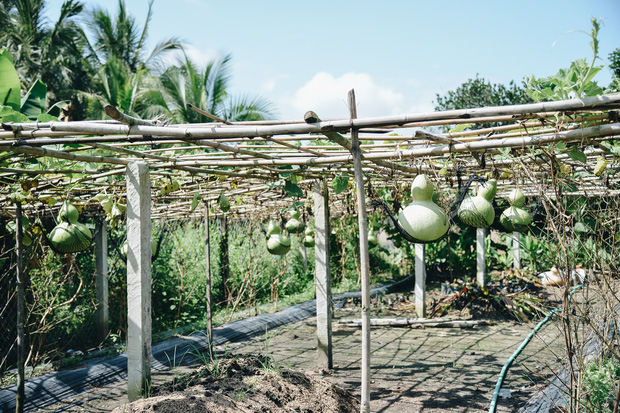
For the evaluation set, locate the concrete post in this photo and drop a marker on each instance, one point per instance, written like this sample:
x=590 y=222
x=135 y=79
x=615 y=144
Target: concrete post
x=481 y=275
x=101 y=281
x=138 y=280
x=324 y=311
x=420 y=280
x=516 y=251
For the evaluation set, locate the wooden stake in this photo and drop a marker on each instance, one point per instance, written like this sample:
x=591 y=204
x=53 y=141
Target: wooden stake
x=516 y=251
x=208 y=280
x=420 y=280
x=364 y=260
x=481 y=274
x=101 y=281
x=21 y=310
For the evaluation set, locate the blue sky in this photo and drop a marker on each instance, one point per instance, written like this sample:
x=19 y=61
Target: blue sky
x=396 y=54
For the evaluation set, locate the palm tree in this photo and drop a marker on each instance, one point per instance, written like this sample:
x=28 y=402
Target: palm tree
x=120 y=38
x=207 y=89
x=50 y=53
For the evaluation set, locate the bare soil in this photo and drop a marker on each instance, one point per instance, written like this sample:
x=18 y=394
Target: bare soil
x=246 y=384
x=430 y=370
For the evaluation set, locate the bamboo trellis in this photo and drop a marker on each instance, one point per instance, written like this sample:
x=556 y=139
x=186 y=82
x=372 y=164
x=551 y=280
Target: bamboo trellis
x=247 y=160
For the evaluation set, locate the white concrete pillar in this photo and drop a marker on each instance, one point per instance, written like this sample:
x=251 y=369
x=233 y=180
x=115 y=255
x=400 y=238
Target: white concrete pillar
x=324 y=310
x=481 y=274
x=420 y=280
x=138 y=280
x=101 y=281
x=516 y=250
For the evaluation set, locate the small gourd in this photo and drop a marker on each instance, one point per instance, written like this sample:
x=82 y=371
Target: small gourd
x=477 y=211
x=277 y=243
x=294 y=225
x=372 y=239
x=69 y=235
x=516 y=218
x=223 y=202
x=309 y=237
x=125 y=247
x=423 y=219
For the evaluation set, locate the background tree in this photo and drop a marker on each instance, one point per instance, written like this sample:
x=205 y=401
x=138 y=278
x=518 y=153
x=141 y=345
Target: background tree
x=52 y=53
x=207 y=89
x=479 y=92
x=614 y=65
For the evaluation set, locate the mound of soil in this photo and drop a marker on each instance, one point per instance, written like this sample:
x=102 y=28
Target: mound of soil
x=245 y=383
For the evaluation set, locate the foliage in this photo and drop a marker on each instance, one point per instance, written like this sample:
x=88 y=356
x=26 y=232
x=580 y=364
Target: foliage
x=574 y=81
x=614 y=65
x=479 y=92
x=601 y=381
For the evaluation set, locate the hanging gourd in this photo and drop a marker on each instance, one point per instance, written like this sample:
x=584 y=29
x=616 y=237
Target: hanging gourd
x=294 y=225
x=69 y=235
x=516 y=218
x=125 y=247
x=223 y=203
x=372 y=239
x=423 y=219
x=477 y=211
x=277 y=243
x=309 y=237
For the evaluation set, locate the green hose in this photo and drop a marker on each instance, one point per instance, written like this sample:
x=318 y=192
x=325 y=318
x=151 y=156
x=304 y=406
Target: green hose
x=502 y=374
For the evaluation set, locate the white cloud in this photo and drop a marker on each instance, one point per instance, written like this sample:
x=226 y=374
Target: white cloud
x=268 y=85
x=327 y=96
x=199 y=56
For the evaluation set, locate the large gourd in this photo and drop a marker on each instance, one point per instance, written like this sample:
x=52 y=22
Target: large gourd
x=516 y=218
x=277 y=243
x=294 y=225
x=423 y=219
x=69 y=235
x=477 y=211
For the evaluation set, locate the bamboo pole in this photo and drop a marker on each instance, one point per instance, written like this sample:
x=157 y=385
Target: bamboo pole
x=21 y=310
x=590 y=103
x=364 y=261
x=208 y=281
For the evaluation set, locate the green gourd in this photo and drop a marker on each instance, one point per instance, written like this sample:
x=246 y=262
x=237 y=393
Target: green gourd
x=277 y=243
x=223 y=203
x=309 y=237
x=477 y=211
x=294 y=225
x=372 y=239
x=69 y=235
x=516 y=218
x=125 y=247
x=423 y=219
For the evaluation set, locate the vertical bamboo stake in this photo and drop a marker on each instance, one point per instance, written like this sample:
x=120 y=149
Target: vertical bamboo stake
x=224 y=260
x=21 y=343
x=364 y=264
x=101 y=281
x=208 y=280
x=420 y=280
x=516 y=251
x=481 y=260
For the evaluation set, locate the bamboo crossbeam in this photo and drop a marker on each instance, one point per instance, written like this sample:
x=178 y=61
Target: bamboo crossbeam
x=598 y=102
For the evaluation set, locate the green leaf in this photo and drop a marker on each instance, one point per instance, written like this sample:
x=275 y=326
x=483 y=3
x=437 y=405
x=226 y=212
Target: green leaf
x=34 y=102
x=292 y=189
x=56 y=108
x=461 y=127
x=194 y=202
x=577 y=155
x=44 y=117
x=15 y=117
x=582 y=227
x=9 y=82
x=560 y=146
x=340 y=183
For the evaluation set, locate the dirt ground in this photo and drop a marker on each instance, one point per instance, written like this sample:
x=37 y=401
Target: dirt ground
x=428 y=370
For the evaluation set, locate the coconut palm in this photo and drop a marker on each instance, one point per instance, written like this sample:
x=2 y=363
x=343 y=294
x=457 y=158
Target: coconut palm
x=118 y=37
x=207 y=89
x=52 y=53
